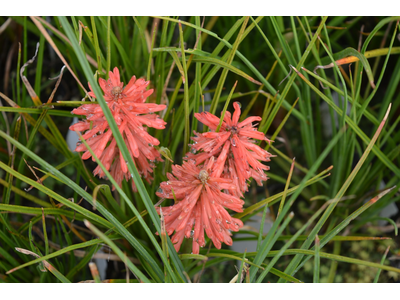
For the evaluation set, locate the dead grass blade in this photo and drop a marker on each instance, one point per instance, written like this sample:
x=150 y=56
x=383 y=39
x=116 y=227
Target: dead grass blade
x=53 y=45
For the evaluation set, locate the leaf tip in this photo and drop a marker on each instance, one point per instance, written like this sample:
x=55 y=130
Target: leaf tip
x=87 y=223
x=387 y=112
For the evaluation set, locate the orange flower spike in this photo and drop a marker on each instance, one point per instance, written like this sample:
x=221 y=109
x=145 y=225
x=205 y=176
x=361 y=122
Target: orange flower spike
x=238 y=155
x=131 y=113
x=200 y=207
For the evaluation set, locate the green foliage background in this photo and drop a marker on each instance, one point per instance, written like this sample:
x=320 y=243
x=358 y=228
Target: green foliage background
x=211 y=54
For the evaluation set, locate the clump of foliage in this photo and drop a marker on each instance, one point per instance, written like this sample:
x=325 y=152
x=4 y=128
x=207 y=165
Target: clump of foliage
x=326 y=90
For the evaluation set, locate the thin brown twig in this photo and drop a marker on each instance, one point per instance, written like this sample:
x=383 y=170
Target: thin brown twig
x=154 y=29
x=164 y=94
x=388 y=228
x=27 y=252
x=53 y=45
x=386 y=35
x=199 y=35
x=286 y=77
x=80 y=26
x=27 y=84
x=7 y=69
x=59 y=77
x=26 y=126
x=5 y=25
x=73 y=229
x=9 y=101
x=33 y=172
x=90 y=59
x=360 y=38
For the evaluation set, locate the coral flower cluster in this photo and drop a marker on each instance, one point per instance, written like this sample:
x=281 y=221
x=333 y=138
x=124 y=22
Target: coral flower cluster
x=213 y=179
x=234 y=145
x=133 y=116
x=201 y=206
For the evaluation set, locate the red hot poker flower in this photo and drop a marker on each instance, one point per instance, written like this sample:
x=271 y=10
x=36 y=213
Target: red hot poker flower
x=238 y=156
x=200 y=206
x=131 y=115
